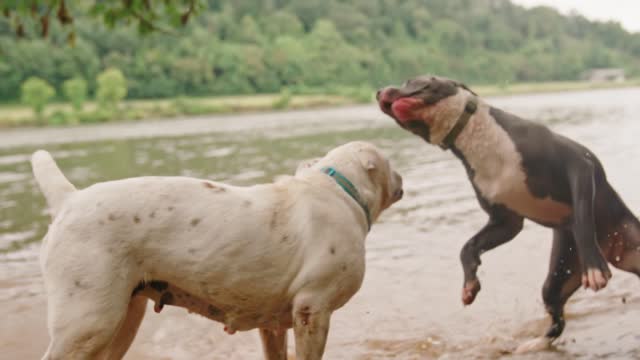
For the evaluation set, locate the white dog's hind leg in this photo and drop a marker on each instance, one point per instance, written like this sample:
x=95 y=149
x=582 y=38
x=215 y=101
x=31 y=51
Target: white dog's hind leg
x=310 y=328
x=274 y=344
x=85 y=311
x=80 y=332
x=128 y=330
x=78 y=340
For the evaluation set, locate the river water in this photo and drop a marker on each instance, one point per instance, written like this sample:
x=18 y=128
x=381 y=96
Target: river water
x=409 y=306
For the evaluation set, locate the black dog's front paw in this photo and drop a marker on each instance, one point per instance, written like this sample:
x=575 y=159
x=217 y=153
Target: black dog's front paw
x=596 y=277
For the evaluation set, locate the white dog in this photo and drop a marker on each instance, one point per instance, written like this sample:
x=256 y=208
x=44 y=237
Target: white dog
x=271 y=256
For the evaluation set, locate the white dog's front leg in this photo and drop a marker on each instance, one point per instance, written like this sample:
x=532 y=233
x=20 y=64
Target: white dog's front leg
x=274 y=344
x=310 y=329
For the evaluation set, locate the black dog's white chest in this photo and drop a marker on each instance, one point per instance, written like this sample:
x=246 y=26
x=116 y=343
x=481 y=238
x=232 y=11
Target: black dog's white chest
x=515 y=195
x=498 y=176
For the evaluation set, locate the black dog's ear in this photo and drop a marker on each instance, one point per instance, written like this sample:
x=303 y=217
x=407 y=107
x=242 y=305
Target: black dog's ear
x=459 y=84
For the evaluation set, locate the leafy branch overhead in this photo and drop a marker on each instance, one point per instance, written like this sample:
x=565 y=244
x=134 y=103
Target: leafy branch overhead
x=150 y=16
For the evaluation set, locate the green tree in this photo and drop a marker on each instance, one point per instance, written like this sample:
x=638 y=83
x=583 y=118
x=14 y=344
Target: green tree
x=37 y=93
x=75 y=90
x=248 y=31
x=287 y=58
x=255 y=46
x=281 y=23
x=112 y=88
x=309 y=11
x=327 y=53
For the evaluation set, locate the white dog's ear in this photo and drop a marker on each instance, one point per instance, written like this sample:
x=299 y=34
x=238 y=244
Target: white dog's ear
x=307 y=164
x=368 y=160
x=369 y=164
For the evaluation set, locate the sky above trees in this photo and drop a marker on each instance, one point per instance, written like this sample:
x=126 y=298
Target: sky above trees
x=626 y=12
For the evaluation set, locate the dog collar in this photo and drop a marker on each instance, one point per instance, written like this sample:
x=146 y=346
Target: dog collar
x=469 y=109
x=350 y=189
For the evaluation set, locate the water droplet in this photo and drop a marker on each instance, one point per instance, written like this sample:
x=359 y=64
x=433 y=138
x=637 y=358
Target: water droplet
x=617 y=258
x=569 y=272
x=615 y=233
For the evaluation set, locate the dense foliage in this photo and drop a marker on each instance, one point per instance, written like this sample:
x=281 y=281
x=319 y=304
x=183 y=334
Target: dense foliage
x=112 y=88
x=256 y=46
x=75 y=91
x=36 y=93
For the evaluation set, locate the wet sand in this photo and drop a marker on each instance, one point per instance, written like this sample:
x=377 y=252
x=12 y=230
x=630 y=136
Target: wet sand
x=409 y=306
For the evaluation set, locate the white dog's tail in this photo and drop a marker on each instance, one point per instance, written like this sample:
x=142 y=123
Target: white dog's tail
x=51 y=180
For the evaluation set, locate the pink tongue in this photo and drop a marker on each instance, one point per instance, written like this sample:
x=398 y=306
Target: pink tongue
x=403 y=108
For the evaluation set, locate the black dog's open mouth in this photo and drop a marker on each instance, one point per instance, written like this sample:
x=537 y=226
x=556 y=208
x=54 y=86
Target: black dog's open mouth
x=402 y=109
x=386 y=108
x=398 y=105
x=417 y=127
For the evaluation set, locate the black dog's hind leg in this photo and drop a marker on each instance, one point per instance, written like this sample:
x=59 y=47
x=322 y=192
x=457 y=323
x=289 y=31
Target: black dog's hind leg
x=582 y=178
x=621 y=245
x=503 y=226
x=562 y=281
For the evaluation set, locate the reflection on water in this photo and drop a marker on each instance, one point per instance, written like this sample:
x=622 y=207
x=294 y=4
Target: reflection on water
x=238 y=159
x=408 y=307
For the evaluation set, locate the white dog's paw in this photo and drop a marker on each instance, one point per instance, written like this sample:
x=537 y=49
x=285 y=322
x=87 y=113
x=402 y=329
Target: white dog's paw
x=534 y=345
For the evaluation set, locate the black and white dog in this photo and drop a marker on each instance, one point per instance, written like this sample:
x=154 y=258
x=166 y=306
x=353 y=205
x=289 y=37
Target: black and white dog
x=520 y=169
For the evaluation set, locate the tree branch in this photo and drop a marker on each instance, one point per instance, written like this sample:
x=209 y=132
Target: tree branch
x=150 y=25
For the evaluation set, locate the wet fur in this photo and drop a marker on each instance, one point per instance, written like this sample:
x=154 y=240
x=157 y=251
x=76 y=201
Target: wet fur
x=271 y=256
x=521 y=169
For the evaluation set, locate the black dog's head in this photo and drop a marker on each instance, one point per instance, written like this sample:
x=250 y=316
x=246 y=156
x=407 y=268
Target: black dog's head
x=428 y=106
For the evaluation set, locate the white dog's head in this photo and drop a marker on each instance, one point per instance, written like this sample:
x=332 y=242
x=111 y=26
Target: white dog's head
x=367 y=168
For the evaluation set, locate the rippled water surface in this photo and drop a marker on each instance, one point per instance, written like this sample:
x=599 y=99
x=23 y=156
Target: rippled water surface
x=409 y=306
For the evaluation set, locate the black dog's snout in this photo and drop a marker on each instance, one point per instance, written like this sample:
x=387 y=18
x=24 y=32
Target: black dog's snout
x=385 y=97
x=386 y=94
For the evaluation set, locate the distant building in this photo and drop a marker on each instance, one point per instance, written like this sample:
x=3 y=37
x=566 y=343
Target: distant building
x=604 y=75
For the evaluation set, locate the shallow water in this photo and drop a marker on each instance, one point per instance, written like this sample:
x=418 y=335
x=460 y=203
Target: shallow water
x=409 y=306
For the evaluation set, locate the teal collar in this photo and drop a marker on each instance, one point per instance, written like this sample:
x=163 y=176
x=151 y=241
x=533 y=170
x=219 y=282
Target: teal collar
x=350 y=189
